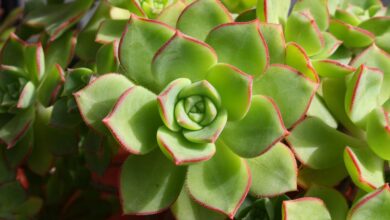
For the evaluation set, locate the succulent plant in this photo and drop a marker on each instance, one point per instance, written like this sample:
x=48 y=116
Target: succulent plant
x=212 y=109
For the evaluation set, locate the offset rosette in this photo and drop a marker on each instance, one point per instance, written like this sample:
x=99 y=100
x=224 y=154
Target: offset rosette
x=194 y=118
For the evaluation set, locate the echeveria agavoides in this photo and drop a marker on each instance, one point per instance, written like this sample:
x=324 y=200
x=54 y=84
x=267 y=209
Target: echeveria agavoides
x=214 y=109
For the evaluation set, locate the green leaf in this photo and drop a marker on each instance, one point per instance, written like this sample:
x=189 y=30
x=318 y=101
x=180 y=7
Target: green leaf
x=248 y=15
x=212 y=14
x=27 y=96
x=107 y=58
x=96 y=100
x=375 y=57
x=362 y=93
x=180 y=150
x=347 y=16
x=318 y=109
x=378 y=133
x=271 y=11
x=49 y=88
x=110 y=30
x=16 y=127
x=376 y=25
x=372 y=206
x=60 y=51
x=12 y=52
x=274 y=172
x=315 y=144
x=297 y=58
x=186 y=208
x=308 y=177
x=17 y=155
x=364 y=167
x=127 y=120
x=139 y=43
x=305 y=208
x=319 y=10
x=98 y=151
x=150 y=183
x=239 y=6
x=350 y=35
x=302 y=29
x=242 y=45
x=75 y=80
x=170 y=14
x=35 y=61
x=331 y=45
x=182 y=57
x=236 y=100
x=56 y=19
x=290 y=89
x=333 y=199
x=261 y=128
x=274 y=37
x=61 y=117
x=131 y=5
x=30 y=207
x=220 y=183
x=11 y=196
x=332 y=68
x=6 y=172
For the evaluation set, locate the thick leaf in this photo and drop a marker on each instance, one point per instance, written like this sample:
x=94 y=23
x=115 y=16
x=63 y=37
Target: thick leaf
x=149 y=184
x=6 y=172
x=107 y=58
x=331 y=45
x=27 y=96
x=75 y=80
x=60 y=51
x=290 y=89
x=30 y=207
x=236 y=100
x=376 y=25
x=271 y=11
x=127 y=120
x=180 y=150
x=186 y=208
x=139 y=43
x=364 y=167
x=258 y=131
x=63 y=118
x=17 y=155
x=97 y=152
x=332 y=68
x=350 y=35
x=96 y=100
x=362 y=93
x=333 y=199
x=315 y=144
x=372 y=206
x=347 y=16
x=16 y=128
x=131 y=5
x=182 y=57
x=12 y=52
x=212 y=14
x=375 y=57
x=248 y=15
x=220 y=183
x=305 y=208
x=170 y=14
x=11 y=196
x=49 y=88
x=319 y=10
x=318 y=109
x=110 y=30
x=242 y=45
x=297 y=58
x=302 y=29
x=378 y=133
x=308 y=177
x=274 y=38
x=274 y=172
x=35 y=61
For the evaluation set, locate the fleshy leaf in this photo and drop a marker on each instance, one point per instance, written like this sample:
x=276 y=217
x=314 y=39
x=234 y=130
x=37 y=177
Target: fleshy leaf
x=297 y=58
x=302 y=29
x=12 y=195
x=212 y=14
x=107 y=58
x=96 y=100
x=364 y=167
x=350 y=35
x=236 y=100
x=60 y=51
x=332 y=68
x=319 y=10
x=308 y=177
x=274 y=38
x=139 y=43
x=110 y=30
x=35 y=61
x=153 y=180
x=220 y=183
x=378 y=133
x=362 y=93
x=331 y=45
x=375 y=57
x=242 y=45
x=305 y=208
x=180 y=150
x=182 y=57
x=50 y=86
x=187 y=208
x=376 y=25
x=318 y=109
x=239 y=6
x=12 y=52
x=274 y=172
x=131 y=5
x=27 y=96
x=127 y=120
x=273 y=11
x=16 y=127
x=315 y=144
x=372 y=206
x=170 y=14
x=290 y=89
x=258 y=131
x=333 y=199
